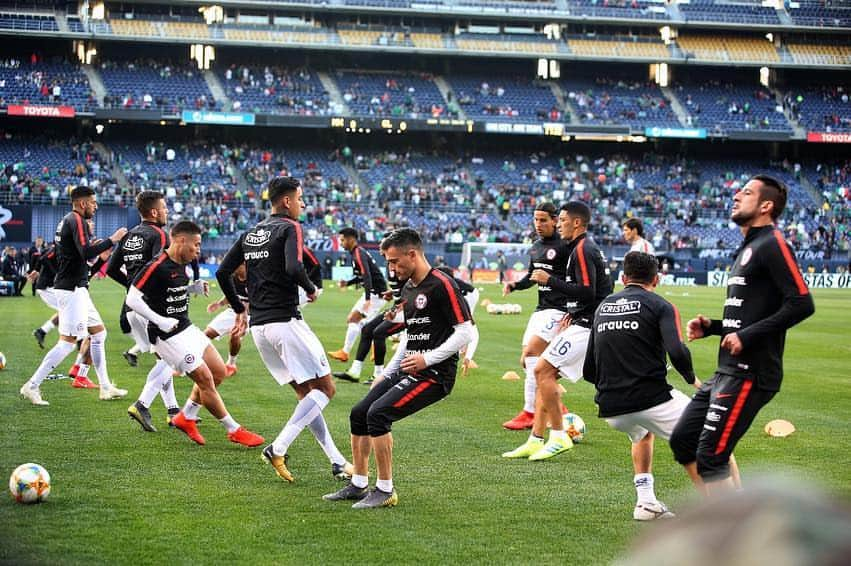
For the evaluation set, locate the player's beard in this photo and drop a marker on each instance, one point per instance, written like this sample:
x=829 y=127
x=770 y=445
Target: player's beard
x=742 y=218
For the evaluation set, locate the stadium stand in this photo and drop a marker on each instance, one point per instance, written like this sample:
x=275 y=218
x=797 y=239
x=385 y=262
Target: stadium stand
x=741 y=12
x=143 y=28
x=724 y=107
x=274 y=34
x=151 y=84
x=504 y=98
x=632 y=9
x=194 y=30
x=727 y=48
x=820 y=54
x=502 y=43
x=44 y=83
x=818 y=13
x=630 y=47
x=607 y=101
x=28 y=22
x=391 y=94
x=826 y=109
x=275 y=90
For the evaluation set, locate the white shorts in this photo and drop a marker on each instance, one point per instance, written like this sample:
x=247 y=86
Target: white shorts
x=49 y=298
x=77 y=312
x=223 y=322
x=543 y=324
x=660 y=420
x=184 y=352
x=139 y=331
x=567 y=351
x=291 y=351
x=472 y=299
x=302 y=297
x=376 y=303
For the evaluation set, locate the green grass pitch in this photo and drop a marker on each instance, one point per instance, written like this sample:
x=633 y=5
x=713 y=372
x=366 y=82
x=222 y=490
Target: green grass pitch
x=124 y=496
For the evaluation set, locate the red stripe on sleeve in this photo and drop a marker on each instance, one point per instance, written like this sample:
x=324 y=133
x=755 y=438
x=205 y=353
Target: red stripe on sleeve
x=580 y=252
x=359 y=260
x=149 y=271
x=734 y=416
x=790 y=263
x=80 y=231
x=311 y=256
x=678 y=322
x=298 y=236
x=161 y=232
x=453 y=296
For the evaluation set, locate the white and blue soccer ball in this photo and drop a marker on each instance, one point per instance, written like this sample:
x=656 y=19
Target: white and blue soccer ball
x=2 y=360
x=29 y=483
x=574 y=426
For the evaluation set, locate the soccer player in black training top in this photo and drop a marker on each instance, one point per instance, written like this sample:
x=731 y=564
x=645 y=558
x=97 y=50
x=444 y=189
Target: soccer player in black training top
x=766 y=295
x=160 y=294
x=549 y=253
x=143 y=243
x=78 y=317
x=438 y=326
x=369 y=275
x=42 y=283
x=223 y=323
x=586 y=283
x=273 y=255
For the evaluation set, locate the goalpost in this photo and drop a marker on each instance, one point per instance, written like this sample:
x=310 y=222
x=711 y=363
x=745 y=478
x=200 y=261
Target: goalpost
x=481 y=261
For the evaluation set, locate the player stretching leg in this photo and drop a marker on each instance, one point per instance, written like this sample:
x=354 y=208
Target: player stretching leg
x=272 y=252
x=160 y=294
x=78 y=316
x=766 y=295
x=438 y=326
x=549 y=253
x=223 y=323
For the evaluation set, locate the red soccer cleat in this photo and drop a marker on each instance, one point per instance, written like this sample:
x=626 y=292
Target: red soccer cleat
x=245 y=437
x=230 y=370
x=181 y=422
x=523 y=420
x=73 y=371
x=81 y=382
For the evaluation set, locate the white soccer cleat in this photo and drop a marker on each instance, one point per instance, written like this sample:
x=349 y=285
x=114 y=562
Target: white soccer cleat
x=651 y=511
x=110 y=391
x=33 y=395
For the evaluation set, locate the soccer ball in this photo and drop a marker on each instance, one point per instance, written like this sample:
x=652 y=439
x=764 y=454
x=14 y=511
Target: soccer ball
x=2 y=360
x=30 y=483
x=575 y=427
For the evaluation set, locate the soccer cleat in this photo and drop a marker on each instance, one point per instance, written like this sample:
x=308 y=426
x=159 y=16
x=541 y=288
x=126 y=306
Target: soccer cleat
x=139 y=413
x=110 y=391
x=346 y=376
x=33 y=395
x=342 y=471
x=369 y=381
x=39 y=335
x=180 y=422
x=245 y=437
x=523 y=420
x=339 y=355
x=230 y=369
x=347 y=493
x=73 y=371
x=553 y=447
x=83 y=382
x=377 y=498
x=526 y=449
x=132 y=359
x=279 y=463
x=651 y=511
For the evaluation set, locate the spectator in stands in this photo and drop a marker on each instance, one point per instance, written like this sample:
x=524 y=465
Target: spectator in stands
x=12 y=269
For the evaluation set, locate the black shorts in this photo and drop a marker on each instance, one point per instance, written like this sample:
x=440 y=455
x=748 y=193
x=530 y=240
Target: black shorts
x=393 y=399
x=719 y=414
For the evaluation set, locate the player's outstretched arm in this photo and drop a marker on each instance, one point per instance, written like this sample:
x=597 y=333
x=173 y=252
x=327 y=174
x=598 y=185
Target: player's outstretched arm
x=136 y=301
x=670 y=328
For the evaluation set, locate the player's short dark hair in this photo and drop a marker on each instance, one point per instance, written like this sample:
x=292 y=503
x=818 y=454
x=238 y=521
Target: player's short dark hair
x=775 y=190
x=186 y=227
x=280 y=187
x=349 y=233
x=635 y=224
x=640 y=267
x=81 y=191
x=146 y=200
x=402 y=238
x=547 y=207
x=578 y=209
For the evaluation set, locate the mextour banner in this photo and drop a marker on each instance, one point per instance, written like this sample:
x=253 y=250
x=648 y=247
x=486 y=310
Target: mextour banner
x=15 y=223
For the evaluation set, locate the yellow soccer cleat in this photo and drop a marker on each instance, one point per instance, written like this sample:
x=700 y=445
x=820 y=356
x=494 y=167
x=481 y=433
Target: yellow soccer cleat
x=279 y=463
x=553 y=447
x=526 y=449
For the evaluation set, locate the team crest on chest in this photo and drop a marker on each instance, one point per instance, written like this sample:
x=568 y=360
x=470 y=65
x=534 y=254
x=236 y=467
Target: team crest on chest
x=746 y=256
x=258 y=238
x=551 y=253
x=421 y=301
x=134 y=243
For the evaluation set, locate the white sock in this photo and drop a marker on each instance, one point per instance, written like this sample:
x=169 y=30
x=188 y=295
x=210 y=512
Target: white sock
x=52 y=358
x=306 y=410
x=48 y=326
x=644 y=488
x=530 y=387
x=190 y=410
x=167 y=390
x=356 y=368
x=352 y=334
x=378 y=371
x=360 y=481
x=474 y=343
x=83 y=370
x=230 y=424
x=557 y=434
x=79 y=359
x=384 y=485
x=320 y=432
x=232 y=360
x=134 y=350
x=535 y=438
x=154 y=383
x=98 y=351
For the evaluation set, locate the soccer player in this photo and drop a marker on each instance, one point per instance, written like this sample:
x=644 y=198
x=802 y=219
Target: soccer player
x=42 y=283
x=766 y=295
x=471 y=296
x=633 y=233
x=78 y=316
x=549 y=253
x=586 y=284
x=160 y=295
x=438 y=326
x=223 y=323
x=143 y=243
x=368 y=274
x=272 y=252
x=314 y=273
x=633 y=329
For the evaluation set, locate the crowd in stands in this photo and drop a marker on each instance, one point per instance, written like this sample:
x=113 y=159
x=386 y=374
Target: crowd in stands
x=825 y=109
x=722 y=106
x=611 y=101
x=398 y=95
x=275 y=89
x=153 y=84
x=44 y=83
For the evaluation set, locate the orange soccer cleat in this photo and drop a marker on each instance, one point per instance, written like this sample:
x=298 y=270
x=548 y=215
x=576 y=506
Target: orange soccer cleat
x=523 y=420
x=82 y=382
x=339 y=355
x=245 y=437
x=181 y=422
